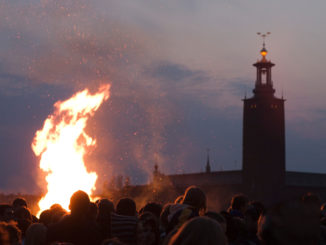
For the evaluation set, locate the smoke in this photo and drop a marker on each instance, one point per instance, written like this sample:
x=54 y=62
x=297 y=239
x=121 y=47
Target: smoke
x=177 y=82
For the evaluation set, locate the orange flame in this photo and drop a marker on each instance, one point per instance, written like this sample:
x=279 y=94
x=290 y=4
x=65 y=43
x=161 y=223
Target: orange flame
x=62 y=144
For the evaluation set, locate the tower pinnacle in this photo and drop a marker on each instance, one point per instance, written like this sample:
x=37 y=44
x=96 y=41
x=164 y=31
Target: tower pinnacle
x=264 y=83
x=263 y=51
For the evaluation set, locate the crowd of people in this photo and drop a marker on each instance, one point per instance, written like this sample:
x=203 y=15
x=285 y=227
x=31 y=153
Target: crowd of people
x=186 y=222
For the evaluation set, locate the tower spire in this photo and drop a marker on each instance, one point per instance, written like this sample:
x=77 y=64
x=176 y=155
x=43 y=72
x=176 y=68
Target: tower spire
x=208 y=165
x=263 y=51
x=264 y=83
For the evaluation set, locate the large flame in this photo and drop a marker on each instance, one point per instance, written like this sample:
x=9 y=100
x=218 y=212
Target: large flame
x=61 y=145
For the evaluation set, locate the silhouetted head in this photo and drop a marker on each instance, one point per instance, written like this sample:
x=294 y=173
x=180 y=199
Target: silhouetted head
x=126 y=206
x=105 y=208
x=153 y=208
x=164 y=215
x=195 y=197
x=23 y=213
x=24 y=218
x=105 y=205
x=57 y=215
x=199 y=230
x=251 y=219
x=56 y=206
x=19 y=202
x=46 y=217
x=79 y=203
x=240 y=203
x=259 y=206
x=147 y=229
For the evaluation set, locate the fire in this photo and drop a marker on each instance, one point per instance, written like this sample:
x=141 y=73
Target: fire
x=62 y=144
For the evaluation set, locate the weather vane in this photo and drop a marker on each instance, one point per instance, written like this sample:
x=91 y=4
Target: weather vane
x=263 y=51
x=263 y=35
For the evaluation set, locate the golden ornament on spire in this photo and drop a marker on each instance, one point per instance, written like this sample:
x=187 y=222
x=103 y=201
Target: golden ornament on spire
x=263 y=51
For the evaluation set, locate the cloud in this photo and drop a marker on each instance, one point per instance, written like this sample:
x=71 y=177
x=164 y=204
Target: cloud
x=178 y=72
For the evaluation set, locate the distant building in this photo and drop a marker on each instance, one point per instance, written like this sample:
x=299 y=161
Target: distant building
x=263 y=176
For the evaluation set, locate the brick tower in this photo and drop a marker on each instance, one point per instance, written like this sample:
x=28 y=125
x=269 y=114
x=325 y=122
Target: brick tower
x=263 y=155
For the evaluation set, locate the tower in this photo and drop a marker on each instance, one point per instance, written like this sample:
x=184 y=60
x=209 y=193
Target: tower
x=263 y=155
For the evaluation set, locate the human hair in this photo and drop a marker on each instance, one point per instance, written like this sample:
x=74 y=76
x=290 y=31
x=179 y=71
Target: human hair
x=164 y=214
x=148 y=220
x=152 y=207
x=105 y=208
x=57 y=214
x=79 y=203
x=104 y=205
x=18 y=202
x=252 y=212
x=195 y=197
x=126 y=206
x=178 y=199
x=46 y=217
x=36 y=234
x=24 y=219
x=259 y=206
x=239 y=202
x=23 y=213
x=199 y=230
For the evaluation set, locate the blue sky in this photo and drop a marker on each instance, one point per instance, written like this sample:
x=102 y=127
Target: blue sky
x=178 y=70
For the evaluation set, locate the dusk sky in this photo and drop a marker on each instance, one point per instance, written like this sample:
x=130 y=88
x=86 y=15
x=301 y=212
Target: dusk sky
x=178 y=71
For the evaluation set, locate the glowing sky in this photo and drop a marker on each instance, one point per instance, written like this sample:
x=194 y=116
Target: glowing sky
x=178 y=70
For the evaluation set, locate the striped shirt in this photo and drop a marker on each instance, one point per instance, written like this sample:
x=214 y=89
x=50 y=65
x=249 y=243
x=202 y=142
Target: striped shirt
x=124 y=228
